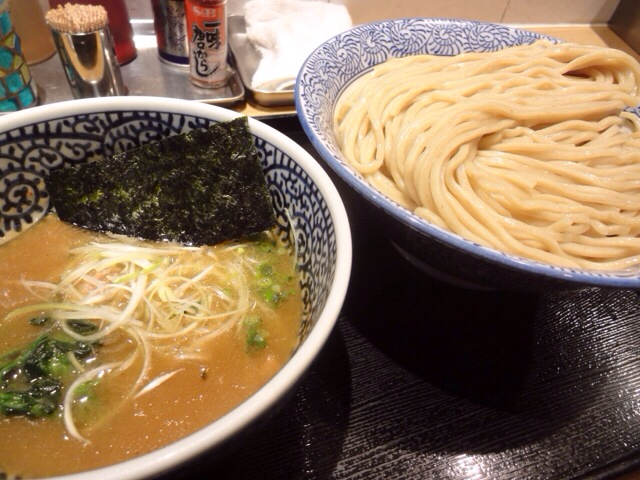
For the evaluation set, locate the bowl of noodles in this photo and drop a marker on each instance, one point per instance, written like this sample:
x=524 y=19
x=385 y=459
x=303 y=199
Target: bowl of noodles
x=493 y=156
x=124 y=356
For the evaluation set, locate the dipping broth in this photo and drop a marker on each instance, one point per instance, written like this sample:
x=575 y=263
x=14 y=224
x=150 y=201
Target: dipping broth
x=190 y=378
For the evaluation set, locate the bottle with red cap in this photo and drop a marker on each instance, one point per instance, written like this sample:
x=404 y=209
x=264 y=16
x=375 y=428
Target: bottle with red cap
x=207 y=33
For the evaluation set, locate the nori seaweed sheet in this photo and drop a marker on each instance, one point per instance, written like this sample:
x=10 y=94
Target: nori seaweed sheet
x=198 y=188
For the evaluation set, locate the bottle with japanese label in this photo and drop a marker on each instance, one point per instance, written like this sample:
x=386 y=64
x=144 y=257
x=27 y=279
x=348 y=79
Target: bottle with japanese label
x=170 y=25
x=207 y=33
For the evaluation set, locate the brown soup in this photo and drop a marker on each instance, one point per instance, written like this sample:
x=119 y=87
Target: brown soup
x=126 y=416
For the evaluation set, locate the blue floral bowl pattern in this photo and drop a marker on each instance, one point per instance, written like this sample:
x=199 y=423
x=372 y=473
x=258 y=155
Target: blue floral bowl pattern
x=309 y=212
x=28 y=152
x=345 y=57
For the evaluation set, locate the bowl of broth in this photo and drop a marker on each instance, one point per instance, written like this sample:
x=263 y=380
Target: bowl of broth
x=491 y=156
x=123 y=355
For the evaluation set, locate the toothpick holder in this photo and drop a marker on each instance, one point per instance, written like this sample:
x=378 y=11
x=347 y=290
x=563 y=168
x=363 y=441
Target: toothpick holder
x=90 y=63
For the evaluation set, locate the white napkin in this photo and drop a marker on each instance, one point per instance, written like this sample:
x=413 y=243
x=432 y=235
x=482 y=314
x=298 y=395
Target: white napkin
x=285 y=32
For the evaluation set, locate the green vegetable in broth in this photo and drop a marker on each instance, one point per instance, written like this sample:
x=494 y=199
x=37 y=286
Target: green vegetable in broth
x=272 y=286
x=194 y=277
x=158 y=298
x=32 y=378
x=200 y=187
x=256 y=335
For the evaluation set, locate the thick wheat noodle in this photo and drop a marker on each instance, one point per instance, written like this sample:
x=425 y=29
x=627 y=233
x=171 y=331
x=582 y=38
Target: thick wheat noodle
x=526 y=150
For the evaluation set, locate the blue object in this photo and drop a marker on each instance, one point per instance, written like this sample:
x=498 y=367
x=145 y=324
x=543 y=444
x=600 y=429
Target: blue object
x=6 y=58
x=340 y=60
x=6 y=25
x=14 y=82
x=9 y=105
x=27 y=96
x=66 y=139
x=17 y=91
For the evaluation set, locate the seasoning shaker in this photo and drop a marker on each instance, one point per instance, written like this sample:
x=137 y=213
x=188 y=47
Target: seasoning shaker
x=83 y=40
x=170 y=25
x=208 y=48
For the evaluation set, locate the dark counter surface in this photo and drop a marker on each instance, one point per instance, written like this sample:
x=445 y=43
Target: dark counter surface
x=422 y=379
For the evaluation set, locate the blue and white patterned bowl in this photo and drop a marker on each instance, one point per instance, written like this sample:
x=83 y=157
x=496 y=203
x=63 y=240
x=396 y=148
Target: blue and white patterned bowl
x=37 y=140
x=345 y=57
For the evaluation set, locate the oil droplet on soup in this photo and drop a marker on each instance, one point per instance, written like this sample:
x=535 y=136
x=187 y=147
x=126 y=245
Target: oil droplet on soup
x=176 y=397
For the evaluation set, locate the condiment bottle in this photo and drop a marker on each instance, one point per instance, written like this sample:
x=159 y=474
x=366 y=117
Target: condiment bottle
x=207 y=31
x=170 y=25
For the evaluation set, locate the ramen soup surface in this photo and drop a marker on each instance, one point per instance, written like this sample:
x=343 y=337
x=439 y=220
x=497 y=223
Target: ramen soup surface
x=186 y=395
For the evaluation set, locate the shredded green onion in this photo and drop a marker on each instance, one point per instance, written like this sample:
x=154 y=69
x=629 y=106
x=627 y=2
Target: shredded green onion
x=168 y=299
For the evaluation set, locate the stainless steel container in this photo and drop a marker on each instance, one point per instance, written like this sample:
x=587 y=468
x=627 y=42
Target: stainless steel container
x=90 y=63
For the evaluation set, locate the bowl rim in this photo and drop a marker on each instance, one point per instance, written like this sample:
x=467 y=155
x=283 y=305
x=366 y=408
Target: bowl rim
x=217 y=432
x=569 y=276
